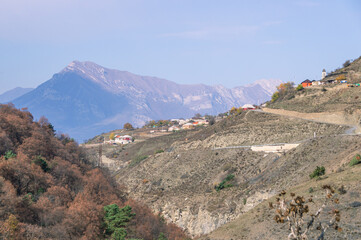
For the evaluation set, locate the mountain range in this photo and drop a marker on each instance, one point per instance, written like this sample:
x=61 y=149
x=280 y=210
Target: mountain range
x=85 y=99
x=12 y=94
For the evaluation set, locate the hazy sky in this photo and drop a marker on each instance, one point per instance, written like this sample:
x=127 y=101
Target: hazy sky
x=229 y=42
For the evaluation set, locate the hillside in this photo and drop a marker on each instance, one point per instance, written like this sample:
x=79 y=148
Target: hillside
x=334 y=103
x=351 y=70
x=50 y=190
x=85 y=99
x=181 y=181
x=259 y=222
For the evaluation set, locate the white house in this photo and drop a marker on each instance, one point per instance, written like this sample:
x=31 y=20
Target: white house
x=182 y=121
x=248 y=107
x=123 y=139
x=173 y=128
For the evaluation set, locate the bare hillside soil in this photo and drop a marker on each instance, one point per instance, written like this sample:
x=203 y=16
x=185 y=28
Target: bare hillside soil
x=258 y=223
x=337 y=104
x=181 y=182
x=313 y=99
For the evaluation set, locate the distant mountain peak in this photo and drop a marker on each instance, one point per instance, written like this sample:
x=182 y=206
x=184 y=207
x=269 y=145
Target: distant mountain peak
x=88 y=70
x=85 y=67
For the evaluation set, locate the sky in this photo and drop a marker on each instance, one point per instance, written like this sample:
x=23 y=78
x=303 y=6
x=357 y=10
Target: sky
x=229 y=42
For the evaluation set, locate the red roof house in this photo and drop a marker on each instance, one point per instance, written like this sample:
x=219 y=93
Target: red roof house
x=306 y=83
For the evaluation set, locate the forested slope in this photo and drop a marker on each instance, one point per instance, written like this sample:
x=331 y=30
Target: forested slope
x=48 y=190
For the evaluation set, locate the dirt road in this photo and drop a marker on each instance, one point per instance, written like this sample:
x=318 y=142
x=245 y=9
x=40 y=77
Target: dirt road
x=324 y=117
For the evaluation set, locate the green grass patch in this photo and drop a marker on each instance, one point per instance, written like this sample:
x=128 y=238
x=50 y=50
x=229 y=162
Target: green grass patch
x=137 y=160
x=158 y=151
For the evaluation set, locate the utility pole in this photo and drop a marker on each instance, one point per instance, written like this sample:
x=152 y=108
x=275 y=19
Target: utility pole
x=100 y=152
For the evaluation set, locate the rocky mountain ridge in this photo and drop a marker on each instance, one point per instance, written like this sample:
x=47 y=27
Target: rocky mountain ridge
x=85 y=99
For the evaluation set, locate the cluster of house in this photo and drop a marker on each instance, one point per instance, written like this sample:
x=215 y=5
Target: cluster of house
x=179 y=124
x=308 y=83
x=118 y=139
x=331 y=78
x=190 y=123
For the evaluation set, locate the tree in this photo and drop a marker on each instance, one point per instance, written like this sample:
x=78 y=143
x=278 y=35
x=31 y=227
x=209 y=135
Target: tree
x=116 y=220
x=162 y=237
x=346 y=63
x=211 y=119
x=10 y=229
x=275 y=96
x=128 y=126
x=197 y=115
x=284 y=87
x=233 y=111
x=112 y=136
x=42 y=163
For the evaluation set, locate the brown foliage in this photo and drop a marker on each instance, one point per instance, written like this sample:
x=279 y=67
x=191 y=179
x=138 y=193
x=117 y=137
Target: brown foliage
x=128 y=126
x=59 y=196
x=148 y=226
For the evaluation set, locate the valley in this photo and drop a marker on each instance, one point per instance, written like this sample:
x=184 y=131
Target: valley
x=180 y=183
x=180 y=120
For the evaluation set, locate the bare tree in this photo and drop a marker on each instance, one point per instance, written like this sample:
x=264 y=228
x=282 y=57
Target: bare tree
x=296 y=212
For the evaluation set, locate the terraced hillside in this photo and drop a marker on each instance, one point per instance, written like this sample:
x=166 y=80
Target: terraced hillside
x=182 y=182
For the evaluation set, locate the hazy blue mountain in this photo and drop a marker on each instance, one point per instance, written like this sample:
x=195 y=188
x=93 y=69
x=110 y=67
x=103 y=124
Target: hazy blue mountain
x=85 y=99
x=10 y=95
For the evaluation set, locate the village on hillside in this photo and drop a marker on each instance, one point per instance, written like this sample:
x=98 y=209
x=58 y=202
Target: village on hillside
x=343 y=78
x=162 y=127
x=350 y=79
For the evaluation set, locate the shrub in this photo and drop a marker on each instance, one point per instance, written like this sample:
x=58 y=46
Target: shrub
x=9 y=154
x=355 y=160
x=319 y=171
x=158 y=151
x=341 y=77
x=275 y=96
x=299 y=87
x=303 y=221
x=224 y=184
x=162 y=237
x=324 y=89
x=342 y=190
